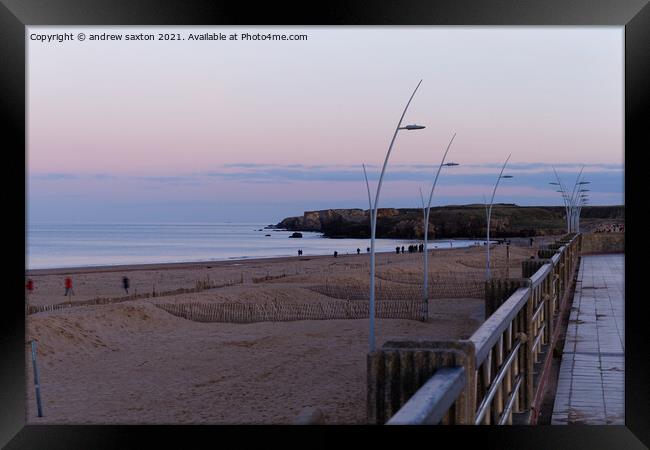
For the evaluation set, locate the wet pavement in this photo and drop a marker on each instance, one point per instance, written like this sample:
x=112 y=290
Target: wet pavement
x=590 y=388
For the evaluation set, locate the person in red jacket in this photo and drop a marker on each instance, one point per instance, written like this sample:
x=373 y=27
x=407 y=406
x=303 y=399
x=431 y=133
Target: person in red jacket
x=68 y=287
x=30 y=286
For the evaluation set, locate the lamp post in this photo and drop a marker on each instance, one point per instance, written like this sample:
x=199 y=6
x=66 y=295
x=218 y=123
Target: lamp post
x=581 y=200
x=489 y=215
x=426 y=212
x=579 y=207
x=373 y=217
x=571 y=201
x=565 y=199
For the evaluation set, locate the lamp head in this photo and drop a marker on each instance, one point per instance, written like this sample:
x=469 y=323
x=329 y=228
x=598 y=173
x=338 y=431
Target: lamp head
x=412 y=127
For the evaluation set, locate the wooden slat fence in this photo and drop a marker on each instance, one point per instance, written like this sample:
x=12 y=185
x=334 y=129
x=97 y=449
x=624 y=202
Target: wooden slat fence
x=281 y=312
x=498 y=360
x=201 y=285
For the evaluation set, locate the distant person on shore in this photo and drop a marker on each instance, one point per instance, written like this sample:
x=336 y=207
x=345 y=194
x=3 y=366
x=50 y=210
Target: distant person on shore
x=531 y=241
x=300 y=252
x=397 y=250
x=336 y=254
x=29 y=286
x=125 y=284
x=367 y=249
x=358 y=251
x=68 y=287
x=402 y=249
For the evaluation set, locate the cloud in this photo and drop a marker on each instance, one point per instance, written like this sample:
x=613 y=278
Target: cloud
x=604 y=177
x=54 y=176
x=536 y=174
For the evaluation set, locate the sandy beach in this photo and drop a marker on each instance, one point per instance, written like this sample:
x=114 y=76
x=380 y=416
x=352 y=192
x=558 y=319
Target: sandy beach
x=131 y=361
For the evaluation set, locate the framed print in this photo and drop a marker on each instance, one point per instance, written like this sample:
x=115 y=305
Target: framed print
x=349 y=218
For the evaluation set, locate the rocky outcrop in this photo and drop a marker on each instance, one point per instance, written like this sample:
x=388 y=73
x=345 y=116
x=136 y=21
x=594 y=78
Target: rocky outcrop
x=456 y=221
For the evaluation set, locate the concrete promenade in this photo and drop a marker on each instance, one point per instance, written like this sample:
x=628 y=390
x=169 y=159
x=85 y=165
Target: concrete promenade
x=590 y=387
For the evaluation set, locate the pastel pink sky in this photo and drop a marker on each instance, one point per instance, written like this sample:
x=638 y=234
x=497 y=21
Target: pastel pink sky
x=550 y=95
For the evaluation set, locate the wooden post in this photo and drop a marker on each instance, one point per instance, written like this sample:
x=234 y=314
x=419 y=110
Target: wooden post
x=498 y=398
x=529 y=357
x=400 y=368
x=37 y=384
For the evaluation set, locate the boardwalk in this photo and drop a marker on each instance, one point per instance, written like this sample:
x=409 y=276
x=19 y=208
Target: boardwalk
x=591 y=381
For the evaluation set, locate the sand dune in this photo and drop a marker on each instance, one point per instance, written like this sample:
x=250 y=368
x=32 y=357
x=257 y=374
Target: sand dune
x=131 y=362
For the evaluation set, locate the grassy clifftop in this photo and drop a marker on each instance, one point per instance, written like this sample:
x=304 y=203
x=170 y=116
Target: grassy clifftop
x=453 y=221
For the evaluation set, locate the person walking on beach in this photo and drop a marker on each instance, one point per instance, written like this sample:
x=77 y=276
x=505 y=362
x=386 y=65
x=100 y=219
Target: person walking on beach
x=68 y=287
x=29 y=286
x=531 y=242
x=336 y=253
x=402 y=249
x=368 y=250
x=125 y=284
x=397 y=250
x=358 y=251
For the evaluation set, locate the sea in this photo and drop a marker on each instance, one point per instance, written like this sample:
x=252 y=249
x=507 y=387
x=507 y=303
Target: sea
x=60 y=245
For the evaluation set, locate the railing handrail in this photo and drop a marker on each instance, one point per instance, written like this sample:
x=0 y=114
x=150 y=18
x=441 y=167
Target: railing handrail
x=555 y=258
x=432 y=401
x=488 y=334
x=539 y=276
x=482 y=408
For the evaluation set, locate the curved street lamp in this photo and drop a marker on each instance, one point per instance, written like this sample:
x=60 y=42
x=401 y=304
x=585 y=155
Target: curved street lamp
x=582 y=202
x=373 y=216
x=565 y=199
x=571 y=201
x=426 y=212
x=489 y=215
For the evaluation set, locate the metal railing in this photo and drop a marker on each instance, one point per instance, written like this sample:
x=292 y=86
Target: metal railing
x=495 y=379
x=433 y=400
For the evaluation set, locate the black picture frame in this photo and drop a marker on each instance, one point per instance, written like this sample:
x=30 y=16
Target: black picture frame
x=634 y=15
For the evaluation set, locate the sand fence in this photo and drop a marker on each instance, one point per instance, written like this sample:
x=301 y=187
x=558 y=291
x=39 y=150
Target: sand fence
x=405 y=286
x=200 y=285
x=274 y=311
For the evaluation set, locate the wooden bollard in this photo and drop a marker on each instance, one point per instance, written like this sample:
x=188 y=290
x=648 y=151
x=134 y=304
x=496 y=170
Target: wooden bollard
x=309 y=416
